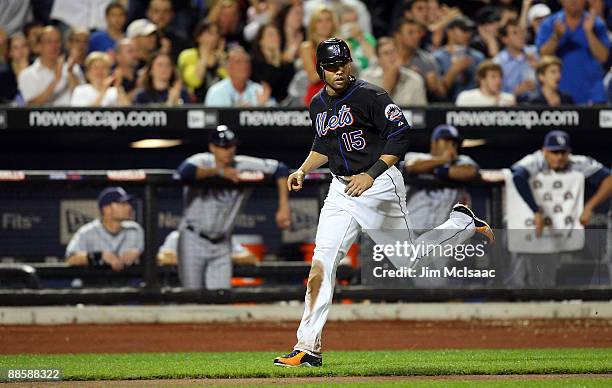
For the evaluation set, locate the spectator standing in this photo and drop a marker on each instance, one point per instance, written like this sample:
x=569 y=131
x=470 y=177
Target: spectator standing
x=126 y=62
x=77 y=44
x=161 y=85
x=549 y=76
x=405 y=86
x=200 y=67
x=531 y=18
x=291 y=17
x=407 y=34
x=458 y=61
x=581 y=41
x=50 y=79
x=486 y=38
x=102 y=89
x=270 y=64
x=106 y=40
x=362 y=44
x=18 y=60
x=32 y=31
x=161 y=13
x=322 y=25
x=489 y=92
x=113 y=239
x=14 y=14
x=88 y=14
x=517 y=60
x=228 y=18
x=237 y=90
x=144 y=35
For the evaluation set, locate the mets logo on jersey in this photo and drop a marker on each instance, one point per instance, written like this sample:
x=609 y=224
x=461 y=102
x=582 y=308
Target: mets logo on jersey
x=342 y=119
x=393 y=112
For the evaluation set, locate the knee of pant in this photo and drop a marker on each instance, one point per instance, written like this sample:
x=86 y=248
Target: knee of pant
x=325 y=254
x=317 y=272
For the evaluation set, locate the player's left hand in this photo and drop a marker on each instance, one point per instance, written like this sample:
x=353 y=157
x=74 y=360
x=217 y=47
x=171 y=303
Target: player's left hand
x=357 y=184
x=283 y=217
x=586 y=215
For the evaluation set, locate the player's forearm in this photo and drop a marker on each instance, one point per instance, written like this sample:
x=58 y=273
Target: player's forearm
x=550 y=46
x=598 y=49
x=603 y=193
x=129 y=257
x=78 y=258
x=45 y=96
x=283 y=192
x=313 y=160
x=462 y=173
x=424 y=166
x=206 y=172
x=390 y=160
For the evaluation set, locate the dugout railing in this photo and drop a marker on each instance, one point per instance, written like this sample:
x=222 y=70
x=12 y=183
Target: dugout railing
x=153 y=289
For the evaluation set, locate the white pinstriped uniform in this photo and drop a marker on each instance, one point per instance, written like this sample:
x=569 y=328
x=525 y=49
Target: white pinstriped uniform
x=212 y=211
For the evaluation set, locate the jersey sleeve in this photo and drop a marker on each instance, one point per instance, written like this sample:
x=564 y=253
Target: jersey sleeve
x=585 y=165
x=78 y=243
x=464 y=160
x=134 y=240
x=393 y=126
x=171 y=242
x=532 y=163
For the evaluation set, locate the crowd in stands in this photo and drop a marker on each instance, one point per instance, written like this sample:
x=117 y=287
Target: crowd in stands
x=236 y=53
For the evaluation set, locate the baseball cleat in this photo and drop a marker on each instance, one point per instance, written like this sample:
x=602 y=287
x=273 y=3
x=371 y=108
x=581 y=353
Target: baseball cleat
x=480 y=226
x=298 y=358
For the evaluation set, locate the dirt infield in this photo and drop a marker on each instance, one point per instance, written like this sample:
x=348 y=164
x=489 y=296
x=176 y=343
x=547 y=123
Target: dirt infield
x=362 y=335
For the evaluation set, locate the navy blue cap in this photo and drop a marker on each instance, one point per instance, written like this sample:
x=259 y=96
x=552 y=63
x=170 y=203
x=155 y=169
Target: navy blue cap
x=223 y=136
x=113 y=194
x=557 y=141
x=445 y=131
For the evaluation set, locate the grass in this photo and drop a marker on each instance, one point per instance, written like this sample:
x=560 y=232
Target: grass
x=353 y=363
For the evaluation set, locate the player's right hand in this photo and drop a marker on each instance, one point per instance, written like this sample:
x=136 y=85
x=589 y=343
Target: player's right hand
x=112 y=260
x=295 y=180
x=539 y=224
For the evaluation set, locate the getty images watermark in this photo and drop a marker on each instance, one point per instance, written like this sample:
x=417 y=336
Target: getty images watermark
x=417 y=260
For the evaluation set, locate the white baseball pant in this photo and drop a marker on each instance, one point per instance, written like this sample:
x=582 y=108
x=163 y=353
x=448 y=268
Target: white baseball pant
x=382 y=207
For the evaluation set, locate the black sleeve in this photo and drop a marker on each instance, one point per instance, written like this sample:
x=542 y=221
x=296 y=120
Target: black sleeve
x=318 y=144
x=520 y=176
x=393 y=126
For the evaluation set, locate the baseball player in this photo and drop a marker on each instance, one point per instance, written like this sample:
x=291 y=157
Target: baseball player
x=362 y=134
x=429 y=207
x=210 y=210
x=113 y=239
x=555 y=155
x=167 y=253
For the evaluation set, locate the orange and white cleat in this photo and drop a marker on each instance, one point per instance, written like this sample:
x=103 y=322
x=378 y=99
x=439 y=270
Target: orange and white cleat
x=298 y=358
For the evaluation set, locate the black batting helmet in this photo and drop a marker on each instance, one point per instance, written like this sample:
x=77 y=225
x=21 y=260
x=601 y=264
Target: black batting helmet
x=223 y=137
x=332 y=51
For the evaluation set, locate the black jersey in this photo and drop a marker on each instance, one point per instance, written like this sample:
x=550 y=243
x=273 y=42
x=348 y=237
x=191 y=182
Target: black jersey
x=355 y=128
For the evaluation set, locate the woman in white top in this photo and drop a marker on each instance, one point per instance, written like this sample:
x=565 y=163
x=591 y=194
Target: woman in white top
x=102 y=89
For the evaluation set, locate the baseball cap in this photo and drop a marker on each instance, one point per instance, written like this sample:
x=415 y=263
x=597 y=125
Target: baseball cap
x=461 y=22
x=140 y=27
x=557 y=141
x=445 y=131
x=113 y=194
x=537 y=11
x=223 y=136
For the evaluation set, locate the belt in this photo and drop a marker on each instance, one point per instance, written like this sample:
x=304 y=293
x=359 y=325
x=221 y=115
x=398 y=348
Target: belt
x=341 y=179
x=214 y=240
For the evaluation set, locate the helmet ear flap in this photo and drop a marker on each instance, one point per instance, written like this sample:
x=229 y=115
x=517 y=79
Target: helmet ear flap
x=320 y=70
